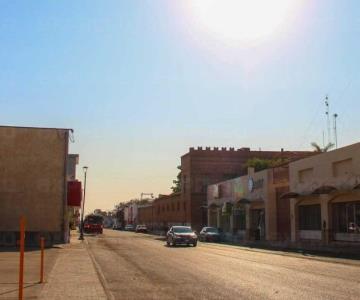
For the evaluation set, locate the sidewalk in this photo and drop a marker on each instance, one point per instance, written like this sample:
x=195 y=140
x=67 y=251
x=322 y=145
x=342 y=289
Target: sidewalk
x=73 y=275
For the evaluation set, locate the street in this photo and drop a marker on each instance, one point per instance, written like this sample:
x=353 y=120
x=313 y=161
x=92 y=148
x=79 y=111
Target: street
x=140 y=266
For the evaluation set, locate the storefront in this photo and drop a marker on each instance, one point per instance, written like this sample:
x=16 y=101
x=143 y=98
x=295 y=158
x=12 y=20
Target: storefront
x=325 y=198
x=244 y=208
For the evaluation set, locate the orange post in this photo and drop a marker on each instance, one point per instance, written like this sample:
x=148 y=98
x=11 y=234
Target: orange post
x=42 y=245
x=22 y=248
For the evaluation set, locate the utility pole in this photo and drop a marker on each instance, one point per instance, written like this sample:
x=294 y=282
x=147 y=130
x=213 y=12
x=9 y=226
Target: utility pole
x=335 y=130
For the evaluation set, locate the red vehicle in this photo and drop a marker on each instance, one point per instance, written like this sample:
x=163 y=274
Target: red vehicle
x=93 y=224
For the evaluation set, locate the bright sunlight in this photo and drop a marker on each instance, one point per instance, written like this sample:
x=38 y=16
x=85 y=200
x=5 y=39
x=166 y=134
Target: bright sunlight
x=243 y=20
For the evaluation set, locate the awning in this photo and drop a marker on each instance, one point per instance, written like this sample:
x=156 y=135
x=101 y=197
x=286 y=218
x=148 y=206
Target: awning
x=357 y=187
x=243 y=201
x=289 y=195
x=325 y=189
x=212 y=206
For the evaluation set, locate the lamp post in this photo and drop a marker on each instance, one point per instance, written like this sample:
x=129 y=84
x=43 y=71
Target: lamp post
x=81 y=237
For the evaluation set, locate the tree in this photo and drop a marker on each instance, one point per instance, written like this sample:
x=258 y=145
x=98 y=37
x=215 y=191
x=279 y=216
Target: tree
x=176 y=188
x=261 y=164
x=317 y=148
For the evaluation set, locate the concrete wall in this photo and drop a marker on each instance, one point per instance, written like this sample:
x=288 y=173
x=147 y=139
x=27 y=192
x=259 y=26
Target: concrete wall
x=339 y=168
x=33 y=179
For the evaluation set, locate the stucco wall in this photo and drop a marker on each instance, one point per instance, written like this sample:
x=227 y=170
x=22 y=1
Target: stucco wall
x=338 y=168
x=32 y=178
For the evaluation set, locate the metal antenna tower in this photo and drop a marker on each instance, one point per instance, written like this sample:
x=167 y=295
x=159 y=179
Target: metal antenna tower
x=327 y=112
x=335 y=130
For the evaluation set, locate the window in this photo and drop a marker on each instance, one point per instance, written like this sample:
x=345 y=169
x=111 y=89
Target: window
x=347 y=217
x=342 y=168
x=158 y=210
x=305 y=175
x=240 y=218
x=167 y=207
x=178 y=206
x=310 y=217
x=184 y=183
x=172 y=206
x=184 y=205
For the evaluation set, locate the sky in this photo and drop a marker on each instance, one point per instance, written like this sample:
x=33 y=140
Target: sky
x=142 y=81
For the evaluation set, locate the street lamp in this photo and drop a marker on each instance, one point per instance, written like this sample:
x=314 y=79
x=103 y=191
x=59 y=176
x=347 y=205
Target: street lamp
x=81 y=237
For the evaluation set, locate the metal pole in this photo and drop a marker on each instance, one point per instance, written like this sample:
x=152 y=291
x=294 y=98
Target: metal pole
x=42 y=245
x=22 y=248
x=83 y=207
x=335 y=130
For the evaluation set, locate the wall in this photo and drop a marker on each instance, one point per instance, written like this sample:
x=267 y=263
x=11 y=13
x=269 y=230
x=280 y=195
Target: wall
x=33 y=179
x=145 y=215
x=170 y=210
x=330 y=169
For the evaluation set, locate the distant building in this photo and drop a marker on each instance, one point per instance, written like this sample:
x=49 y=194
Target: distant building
x=131 y=213
x=33 y=183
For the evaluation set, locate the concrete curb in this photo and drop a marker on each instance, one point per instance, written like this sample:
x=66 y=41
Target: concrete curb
x=100 y=274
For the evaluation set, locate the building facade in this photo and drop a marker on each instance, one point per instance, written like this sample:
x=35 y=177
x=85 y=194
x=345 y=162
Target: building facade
x=202 y=167
x=249 y=208
x=325 y=198
x=33 y=183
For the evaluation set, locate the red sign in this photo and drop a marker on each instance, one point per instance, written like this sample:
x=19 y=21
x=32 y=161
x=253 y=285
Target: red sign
x=74 y=193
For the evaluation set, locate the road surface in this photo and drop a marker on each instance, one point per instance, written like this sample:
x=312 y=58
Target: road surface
x=139 y=266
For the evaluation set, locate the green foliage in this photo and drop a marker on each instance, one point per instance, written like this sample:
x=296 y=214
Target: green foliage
x=260 y=164
x=176 y=188
x=317 y=148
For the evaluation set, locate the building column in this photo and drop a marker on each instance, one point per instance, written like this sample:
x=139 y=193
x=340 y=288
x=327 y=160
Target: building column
x=232 y=222
x=247 y=222
x=218 y=215
x=293 y=219
x=324 y=202
x=208 y=217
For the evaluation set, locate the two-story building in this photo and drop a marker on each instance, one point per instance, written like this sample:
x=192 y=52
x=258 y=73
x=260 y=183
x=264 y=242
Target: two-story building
x=324 y=198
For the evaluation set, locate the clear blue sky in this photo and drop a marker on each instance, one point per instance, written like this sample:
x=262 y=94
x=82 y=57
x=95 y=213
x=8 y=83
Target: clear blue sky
x=139 y=82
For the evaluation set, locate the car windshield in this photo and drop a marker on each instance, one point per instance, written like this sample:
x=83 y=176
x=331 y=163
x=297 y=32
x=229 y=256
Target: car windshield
x=182 y=229
x=212 y=229
x=93 y=220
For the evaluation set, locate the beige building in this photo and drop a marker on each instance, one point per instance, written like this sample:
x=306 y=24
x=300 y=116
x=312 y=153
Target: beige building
x=249 y=207
x=325 y=198
x=33 y=183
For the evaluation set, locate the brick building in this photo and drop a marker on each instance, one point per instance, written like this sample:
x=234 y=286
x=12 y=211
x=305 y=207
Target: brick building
x=146 y=215
x=164 y=211
x=202 y=167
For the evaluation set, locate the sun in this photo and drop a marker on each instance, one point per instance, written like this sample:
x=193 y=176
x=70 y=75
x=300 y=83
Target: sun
x=242 y=20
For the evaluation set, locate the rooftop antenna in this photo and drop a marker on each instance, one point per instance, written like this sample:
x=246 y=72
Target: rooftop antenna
x=328 y=118
x=335 y=130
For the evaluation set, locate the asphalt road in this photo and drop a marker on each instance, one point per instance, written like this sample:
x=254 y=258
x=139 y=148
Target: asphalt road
x=139 y=266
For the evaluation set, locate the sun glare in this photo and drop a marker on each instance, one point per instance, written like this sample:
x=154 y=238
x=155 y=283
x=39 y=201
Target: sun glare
x=242 y=20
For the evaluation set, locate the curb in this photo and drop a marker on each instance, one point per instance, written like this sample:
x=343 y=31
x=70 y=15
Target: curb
x=100 y=274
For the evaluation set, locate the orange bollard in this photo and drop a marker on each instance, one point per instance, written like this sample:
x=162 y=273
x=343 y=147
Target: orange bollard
x=22 y=248
x=42 y=245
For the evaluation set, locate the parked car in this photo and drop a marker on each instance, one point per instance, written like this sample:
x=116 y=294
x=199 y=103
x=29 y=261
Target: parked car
x=93 y=224
x=209 y=234
x=116 y=227
x=181 y=235
x=141 y=228
x=129 y=227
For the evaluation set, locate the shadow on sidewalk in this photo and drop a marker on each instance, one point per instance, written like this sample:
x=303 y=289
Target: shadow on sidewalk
x=27 y=285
